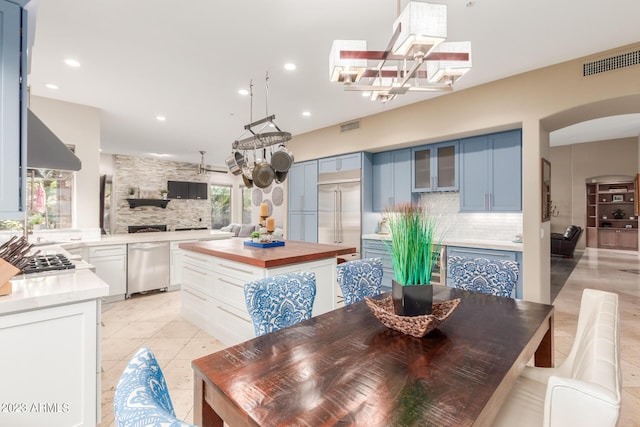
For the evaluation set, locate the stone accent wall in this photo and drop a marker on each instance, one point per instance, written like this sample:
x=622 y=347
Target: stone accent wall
x=149 y=176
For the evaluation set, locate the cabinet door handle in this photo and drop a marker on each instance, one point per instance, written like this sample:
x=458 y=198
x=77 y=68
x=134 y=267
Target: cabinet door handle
x=485 y=253
x=191 y=293
x=484 y=200
x=230 y=267
x=232 y=313
x=301 y=203
x=490 y=203
x=195 y=271
x=231 y=283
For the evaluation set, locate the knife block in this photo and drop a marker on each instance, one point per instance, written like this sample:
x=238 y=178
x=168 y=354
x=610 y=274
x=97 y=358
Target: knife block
x=7 y=271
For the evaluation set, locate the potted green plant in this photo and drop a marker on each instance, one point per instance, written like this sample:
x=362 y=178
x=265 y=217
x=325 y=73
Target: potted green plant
x=618 y=214
x=255 y=236
x=414 y=248
x=163 y=193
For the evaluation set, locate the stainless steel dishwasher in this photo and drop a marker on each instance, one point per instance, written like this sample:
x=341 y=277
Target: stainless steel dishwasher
x=147 y=267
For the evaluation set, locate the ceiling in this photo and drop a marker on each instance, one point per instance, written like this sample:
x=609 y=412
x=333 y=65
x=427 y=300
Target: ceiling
x=187 y=60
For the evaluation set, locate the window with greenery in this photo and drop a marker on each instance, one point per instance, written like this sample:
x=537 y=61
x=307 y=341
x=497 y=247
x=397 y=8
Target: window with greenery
x=49 y=201
x=220 y=205
x=246 y=205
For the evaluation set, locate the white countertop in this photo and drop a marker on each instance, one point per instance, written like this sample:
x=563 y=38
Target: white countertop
x=160 y=236
x=41 y=290
x=465 y=243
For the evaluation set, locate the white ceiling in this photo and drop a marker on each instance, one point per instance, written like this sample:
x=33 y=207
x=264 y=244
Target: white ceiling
x=187 y=60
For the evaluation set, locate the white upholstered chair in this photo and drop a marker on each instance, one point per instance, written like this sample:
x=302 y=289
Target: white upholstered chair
x=585 y=389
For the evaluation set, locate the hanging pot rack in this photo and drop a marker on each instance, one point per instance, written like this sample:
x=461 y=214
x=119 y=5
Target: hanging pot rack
x=259 y=171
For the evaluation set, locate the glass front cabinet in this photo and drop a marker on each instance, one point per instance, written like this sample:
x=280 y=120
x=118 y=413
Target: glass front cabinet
x=434 y=167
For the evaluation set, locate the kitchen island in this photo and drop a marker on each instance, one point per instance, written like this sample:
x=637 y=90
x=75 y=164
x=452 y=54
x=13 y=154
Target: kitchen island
x=215 y=272
x=50 y=362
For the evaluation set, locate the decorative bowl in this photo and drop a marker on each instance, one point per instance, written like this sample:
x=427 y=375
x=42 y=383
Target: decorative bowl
x=417 y=326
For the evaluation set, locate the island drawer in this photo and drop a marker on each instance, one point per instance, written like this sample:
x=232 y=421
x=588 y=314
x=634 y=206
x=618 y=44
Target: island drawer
x=242 y=272
x=236 y=323
x=197 y=303
x=230 y=290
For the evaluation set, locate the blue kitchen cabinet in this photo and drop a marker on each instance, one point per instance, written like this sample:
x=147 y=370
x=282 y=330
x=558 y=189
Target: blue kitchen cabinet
x=491 y=172
x=303 y=186
x=391 y=178
x=490 y=254
x=303 y=226
x=13 y=112
x=344 y=162
x=303 y=202
x=434 y=167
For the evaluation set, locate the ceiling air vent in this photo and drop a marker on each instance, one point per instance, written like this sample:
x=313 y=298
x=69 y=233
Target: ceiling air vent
x=350 y=126
x=611 y=63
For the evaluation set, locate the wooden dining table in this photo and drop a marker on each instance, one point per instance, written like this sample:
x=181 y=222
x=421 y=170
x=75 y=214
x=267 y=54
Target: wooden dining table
x=345 y=368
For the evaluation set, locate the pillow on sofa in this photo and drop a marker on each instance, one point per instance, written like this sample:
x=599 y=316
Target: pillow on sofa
x=246 y=230
x=570 y=232
x=227 y=227
x=236 y=229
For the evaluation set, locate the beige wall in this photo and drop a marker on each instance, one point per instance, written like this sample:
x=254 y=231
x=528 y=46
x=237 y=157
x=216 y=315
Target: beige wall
x=573 y=164
x=78 y=125
x=540 y=101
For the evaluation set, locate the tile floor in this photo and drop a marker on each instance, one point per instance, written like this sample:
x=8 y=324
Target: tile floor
x=154 y=320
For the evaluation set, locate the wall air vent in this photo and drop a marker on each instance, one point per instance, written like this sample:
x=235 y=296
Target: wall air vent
x=350 y=126
x=611 y=63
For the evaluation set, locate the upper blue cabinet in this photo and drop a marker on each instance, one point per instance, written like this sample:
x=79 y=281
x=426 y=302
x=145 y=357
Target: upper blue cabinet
x=340 y=163
x=434 y=167
x=391 y=178
x=303 y=186
x=13 y=110
x=491 y=172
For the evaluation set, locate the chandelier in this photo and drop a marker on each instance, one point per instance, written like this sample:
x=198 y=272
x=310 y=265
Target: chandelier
x=417 y=58
x=260 y=154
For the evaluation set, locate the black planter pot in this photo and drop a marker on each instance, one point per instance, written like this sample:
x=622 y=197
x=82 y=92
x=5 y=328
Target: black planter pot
x=415 y=300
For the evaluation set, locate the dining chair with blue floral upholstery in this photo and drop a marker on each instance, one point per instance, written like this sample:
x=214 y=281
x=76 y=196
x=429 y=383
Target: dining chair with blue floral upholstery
x=495 y=277
x=360 y=278
x=142 y=397
x=280 y=301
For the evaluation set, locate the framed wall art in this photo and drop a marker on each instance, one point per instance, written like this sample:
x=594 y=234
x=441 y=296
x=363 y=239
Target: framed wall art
x=546 y=190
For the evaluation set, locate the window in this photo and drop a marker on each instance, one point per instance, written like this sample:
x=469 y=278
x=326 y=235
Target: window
x=246 y=205
x=49 y=201
x=220 y=205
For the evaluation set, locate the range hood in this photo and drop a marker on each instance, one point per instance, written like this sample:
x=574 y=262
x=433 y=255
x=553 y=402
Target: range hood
x=45 y=150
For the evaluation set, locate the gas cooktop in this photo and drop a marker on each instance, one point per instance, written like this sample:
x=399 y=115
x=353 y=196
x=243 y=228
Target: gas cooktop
x=42 y=263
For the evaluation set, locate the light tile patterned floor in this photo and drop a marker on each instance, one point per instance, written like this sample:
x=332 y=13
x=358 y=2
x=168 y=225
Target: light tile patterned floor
x=154 y=320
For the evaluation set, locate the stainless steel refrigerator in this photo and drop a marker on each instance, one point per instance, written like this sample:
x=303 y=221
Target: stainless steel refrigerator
x=339 y=207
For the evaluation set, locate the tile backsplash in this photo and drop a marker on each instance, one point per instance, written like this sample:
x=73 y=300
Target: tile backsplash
x=466 y=225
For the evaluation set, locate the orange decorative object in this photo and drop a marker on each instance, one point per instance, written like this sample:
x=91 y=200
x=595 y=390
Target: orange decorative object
x=271 y=224
x=264 y=209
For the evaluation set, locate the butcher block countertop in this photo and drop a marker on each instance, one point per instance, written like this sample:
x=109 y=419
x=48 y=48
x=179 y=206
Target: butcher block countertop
x=292 y=252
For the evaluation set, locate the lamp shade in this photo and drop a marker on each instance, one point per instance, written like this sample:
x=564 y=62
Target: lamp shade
x=444 y=71
x=346 y=70
x=423 y=26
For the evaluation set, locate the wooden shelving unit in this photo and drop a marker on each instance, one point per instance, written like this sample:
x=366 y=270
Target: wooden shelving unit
x=612 y=220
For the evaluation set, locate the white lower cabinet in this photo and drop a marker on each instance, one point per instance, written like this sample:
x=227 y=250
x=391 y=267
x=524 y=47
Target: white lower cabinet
x=50 y=366
x=111 y=266
x=175 y=268
x=213 y=292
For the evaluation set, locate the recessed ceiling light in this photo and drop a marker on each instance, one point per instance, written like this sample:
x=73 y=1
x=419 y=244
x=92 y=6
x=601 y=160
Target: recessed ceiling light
x=243 y=92
x=51 y=86
x=161 y=118
x=306 y=113
x=290 y=66
x=160 y=154
x=71 y=62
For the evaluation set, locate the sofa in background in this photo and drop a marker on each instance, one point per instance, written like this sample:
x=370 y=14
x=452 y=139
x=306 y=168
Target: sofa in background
x=565 y=244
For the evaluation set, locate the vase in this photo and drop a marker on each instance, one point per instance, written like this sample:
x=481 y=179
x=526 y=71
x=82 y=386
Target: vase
x=412 y=300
